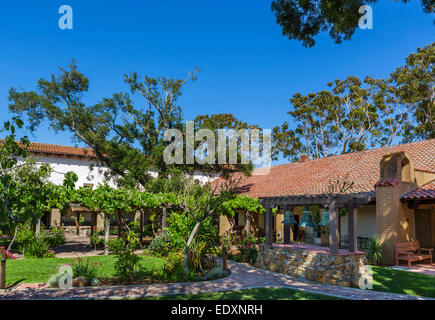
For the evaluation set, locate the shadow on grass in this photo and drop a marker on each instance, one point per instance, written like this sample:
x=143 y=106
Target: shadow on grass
x=403 y=282
x=16 y=283
x=248 y=294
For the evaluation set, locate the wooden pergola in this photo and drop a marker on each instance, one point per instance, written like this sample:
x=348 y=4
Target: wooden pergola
x=333 y=203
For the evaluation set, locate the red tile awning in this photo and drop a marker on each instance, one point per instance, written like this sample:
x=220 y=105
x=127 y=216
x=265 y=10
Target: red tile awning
x=424 y=192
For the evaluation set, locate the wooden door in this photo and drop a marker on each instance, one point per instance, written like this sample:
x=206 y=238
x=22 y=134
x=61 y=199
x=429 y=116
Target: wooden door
x=423 y=228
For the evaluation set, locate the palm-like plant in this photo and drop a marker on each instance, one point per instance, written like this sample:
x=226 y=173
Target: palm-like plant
x=375 y=253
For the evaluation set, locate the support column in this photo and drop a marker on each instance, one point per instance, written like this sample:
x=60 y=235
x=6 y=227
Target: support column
x=287 y=226
x=164 y=218
x=100 y=221
x=38 y=226
x=333 y=227
x=353 y=227
x=55 y=218
x=269 y=224
x=141 y=225
x=248 y=223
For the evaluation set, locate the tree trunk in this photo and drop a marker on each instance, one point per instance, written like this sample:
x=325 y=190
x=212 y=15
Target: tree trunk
x=224 y=256
x=163 y=219
x=3 y=270
x=106 y=236
x=186 y=248
x=141 y=218
x=119 y=225
x=13 y=239
x=38 y=227
x=78 y=223
x=248 y=223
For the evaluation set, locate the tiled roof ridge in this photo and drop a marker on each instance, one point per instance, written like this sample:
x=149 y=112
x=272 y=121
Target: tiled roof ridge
x=60 y=149
x=418 y=187
x=360 y=152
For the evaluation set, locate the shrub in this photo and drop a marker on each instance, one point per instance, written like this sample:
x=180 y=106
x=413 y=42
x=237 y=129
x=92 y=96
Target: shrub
x=49 y=254
x=198 y=259
x=55 y=237
x=173 y=269
x=25 y=236
x=375 y=253
x=161 y=246
x=215 y=273
x=86 y=269
x=127 y=265
x=37 y=248
x=148 y=230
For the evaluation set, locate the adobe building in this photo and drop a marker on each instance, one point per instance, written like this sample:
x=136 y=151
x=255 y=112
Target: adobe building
x=393 y=197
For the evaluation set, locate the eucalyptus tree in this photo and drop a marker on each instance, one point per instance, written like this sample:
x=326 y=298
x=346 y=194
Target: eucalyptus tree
x=354 y=115
x=125 y=137
x=302 y=20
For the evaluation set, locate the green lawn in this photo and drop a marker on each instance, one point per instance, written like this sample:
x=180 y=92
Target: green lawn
x=403 y=282
x=397 y=281
x=40 y=270
x=249 y=294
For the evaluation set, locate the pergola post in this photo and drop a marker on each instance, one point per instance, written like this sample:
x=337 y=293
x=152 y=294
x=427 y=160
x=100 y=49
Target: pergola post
x=268 y=224
x=333 y=227
x=353 y=226
x=141 y=218
x=163 y=218
x=38 y=226
x=287 y=227
x=248 y=223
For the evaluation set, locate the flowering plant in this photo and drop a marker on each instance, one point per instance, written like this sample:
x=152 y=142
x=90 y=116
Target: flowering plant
x=8 y=254
x=85 y=268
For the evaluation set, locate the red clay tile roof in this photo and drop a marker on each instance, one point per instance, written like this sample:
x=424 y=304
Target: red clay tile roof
x=424 y=192
x=312 y=177
x=387 y=182
x=59 y=150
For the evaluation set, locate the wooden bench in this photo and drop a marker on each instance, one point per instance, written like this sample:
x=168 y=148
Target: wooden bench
x=411 y=252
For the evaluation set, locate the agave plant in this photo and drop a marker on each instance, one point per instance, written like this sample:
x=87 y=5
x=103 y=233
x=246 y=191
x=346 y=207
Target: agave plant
x=375 y=253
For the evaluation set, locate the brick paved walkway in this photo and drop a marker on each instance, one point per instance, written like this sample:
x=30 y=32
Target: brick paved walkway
x=242 y=277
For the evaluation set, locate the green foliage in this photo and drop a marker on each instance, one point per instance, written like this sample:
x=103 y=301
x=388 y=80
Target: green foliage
x=375 y=253
x=37 y=248
x=83 y=267
x=24 y=236
x=412 y=86
x=173 y=270
x=127 y=265
x=215 y=273
x=55 y=237
x=244 y=203
x=198 y=257
x=97 y=241
x=354 y=115
x=161 y=245
x=302 y=20
x=246 y=246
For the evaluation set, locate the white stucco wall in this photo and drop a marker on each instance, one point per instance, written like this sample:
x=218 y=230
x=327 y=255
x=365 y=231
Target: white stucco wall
x=61 y=165
x=366 y=217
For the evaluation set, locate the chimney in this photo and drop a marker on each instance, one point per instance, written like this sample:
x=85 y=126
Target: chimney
x=304 y=157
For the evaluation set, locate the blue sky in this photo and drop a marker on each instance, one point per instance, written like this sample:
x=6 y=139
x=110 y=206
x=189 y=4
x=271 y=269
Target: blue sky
x=247 y=66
